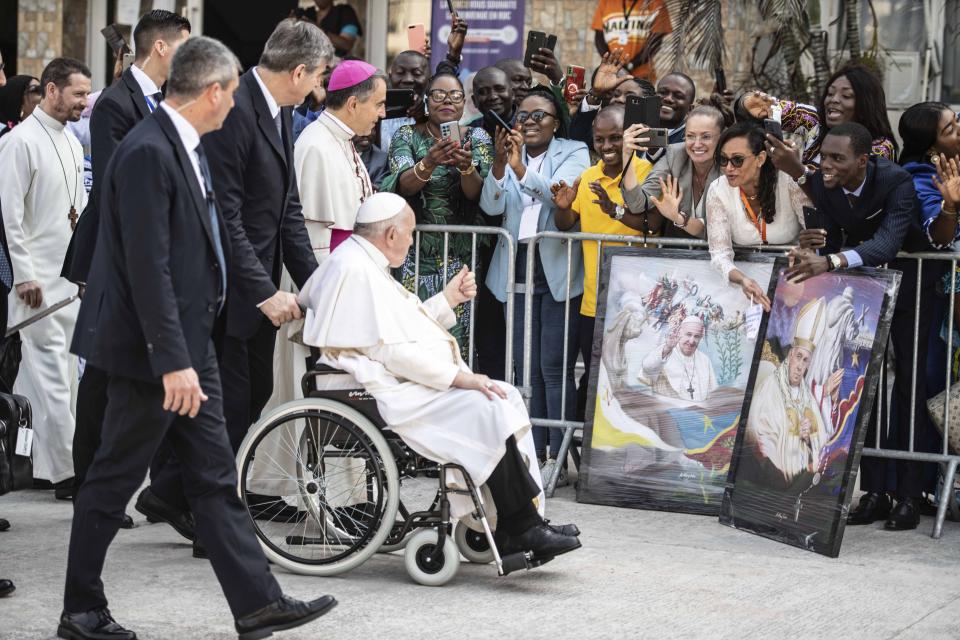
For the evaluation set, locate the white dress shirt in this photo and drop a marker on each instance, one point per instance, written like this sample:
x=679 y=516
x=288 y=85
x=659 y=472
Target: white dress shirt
x=190 y=139
x=148 y=86
x=271 y=102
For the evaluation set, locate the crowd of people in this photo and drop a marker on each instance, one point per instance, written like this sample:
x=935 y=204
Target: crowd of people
x=266 y=174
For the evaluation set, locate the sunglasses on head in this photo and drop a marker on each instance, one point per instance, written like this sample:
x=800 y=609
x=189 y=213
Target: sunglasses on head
x=439 y=95
x=737 y=161
x=536 y=116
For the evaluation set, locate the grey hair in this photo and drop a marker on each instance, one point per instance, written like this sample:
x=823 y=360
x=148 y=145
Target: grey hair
x=199 y=63
x=370 y=230
x=336 y=99
x=295 y=42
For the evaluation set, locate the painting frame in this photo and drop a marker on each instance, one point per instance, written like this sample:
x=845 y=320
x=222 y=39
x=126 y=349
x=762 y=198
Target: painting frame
x=595 y=483
x=744 y=497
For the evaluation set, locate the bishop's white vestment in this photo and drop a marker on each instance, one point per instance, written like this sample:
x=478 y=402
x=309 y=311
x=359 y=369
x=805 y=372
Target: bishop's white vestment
x=42 y=178
x=399 y=349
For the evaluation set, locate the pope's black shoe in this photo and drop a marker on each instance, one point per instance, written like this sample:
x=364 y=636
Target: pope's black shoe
x=6 y=587
x=542 y=540
x=872 y=507
x=905 y=516
x=153 y=507
x=92 y=625
x=285 y=613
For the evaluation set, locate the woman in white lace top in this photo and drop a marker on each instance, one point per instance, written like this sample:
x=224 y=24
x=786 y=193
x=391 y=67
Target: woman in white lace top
x=750 y=204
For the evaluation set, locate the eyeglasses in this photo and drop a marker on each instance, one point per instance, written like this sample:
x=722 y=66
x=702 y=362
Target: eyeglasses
x=536 y=116
x=439 y=95
x=706 y=138
x=736 y=161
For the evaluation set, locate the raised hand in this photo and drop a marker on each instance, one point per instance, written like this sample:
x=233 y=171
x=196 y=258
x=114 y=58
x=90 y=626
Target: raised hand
x=458 y=34
x=947 y=180
x=564 y=194
x=461 y=288
x=606 y=78
x=545 y=62
x=758 y=104
x=785 y=156
x=608 y=206
x=671 y=194
x=634 y=140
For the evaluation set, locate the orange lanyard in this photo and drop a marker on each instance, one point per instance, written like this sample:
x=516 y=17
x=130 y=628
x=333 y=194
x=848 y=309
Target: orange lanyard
x=760 y=223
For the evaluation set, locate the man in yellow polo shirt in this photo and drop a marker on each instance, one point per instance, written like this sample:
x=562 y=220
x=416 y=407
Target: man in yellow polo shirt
x=596 y=202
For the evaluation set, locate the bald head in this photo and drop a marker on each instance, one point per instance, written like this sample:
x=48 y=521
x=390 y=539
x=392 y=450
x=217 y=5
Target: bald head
x=492 y=92
x=520 y=77
x=611 y=115
x=410 y=70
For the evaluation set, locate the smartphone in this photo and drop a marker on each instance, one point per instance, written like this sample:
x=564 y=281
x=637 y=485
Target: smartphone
x=719 y=80
x=573 y=82
x=773 y=127
x=535 y=40
x=646 y=110
x=450 y=130
x=113 y=36
x=551 y=42
x=399 y=102
x=417 y=38
x=500 y=121
x=811 y=218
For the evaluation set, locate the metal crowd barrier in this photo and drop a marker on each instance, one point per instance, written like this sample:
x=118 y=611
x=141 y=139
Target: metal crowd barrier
x=948 y=461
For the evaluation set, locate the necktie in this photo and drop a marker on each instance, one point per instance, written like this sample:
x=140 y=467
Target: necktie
x=6 y=270
x=154 y=101
x=853 y=199
x=214 y=225
x=277 y=121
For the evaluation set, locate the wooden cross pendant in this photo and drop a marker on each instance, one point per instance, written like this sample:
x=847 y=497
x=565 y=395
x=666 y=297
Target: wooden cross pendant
x=73 y=218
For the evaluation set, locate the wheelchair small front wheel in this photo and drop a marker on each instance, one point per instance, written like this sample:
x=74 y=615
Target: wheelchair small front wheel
x=428 y=565
x=473 y=546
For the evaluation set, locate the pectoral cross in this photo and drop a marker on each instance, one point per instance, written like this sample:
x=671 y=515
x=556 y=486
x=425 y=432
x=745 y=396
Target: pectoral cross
x=73 y=218
x=690 y=389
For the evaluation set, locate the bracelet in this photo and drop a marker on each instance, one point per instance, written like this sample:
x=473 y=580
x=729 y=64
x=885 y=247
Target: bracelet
x=685 y=218
x=943 y=209
x=468 y=171
x=416 y=174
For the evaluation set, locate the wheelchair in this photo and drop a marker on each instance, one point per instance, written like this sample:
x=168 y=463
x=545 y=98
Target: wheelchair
x=338 y=472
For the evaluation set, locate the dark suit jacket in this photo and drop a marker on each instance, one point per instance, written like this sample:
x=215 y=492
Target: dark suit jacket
x=886 y=219
x=257 y=192
x=154 y=289
x=118 y=109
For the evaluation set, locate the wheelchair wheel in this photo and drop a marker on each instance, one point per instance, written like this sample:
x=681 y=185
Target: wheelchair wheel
x=333 y=482
x=427 y=567
x=472 y=545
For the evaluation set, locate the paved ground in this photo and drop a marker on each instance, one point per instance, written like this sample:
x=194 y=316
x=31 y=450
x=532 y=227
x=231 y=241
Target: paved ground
x=641 y=574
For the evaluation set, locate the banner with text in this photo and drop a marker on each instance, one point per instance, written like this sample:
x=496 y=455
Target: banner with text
x=496 y=31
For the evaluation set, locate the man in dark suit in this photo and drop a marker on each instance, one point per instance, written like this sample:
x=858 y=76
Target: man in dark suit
x=868 y=205
x=251 y=158
x=158 y=281
x=119 y=108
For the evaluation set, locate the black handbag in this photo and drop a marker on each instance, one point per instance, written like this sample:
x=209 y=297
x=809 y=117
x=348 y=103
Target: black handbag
x=16 y=472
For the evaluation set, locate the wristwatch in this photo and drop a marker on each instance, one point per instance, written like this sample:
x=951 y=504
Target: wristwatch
x=835 y=262
x=807 y=174
x=685 y=218
x=619 y=212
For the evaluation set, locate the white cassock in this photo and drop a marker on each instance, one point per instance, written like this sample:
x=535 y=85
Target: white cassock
x=36 y=200
x=774 y=422
x=399 y=349
x=676 y=375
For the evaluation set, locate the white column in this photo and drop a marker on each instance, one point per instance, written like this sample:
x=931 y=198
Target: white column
x=96 y=47
x=376 y=32
x=194 y=13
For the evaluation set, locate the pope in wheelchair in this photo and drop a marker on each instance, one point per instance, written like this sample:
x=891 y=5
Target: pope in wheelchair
x=398 y=348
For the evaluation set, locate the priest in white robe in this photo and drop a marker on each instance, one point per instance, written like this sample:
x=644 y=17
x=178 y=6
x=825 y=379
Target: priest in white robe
x=41 y=188
x=785 y=425
x=677 y=369
x=400 y=350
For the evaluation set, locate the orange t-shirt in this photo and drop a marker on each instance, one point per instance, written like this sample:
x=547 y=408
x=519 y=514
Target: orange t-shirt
x=628 y=24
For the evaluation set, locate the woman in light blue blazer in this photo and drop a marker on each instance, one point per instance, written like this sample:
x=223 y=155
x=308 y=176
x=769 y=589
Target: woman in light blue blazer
x=529 y=160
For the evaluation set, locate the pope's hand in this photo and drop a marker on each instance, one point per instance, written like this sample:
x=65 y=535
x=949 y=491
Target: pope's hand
x=281 y=307
x=182 y=393
x=462 y=288
x=479 y=382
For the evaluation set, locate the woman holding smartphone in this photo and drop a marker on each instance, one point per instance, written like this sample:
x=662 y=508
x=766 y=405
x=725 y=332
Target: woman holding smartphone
x=530 y=159
x=441 y=177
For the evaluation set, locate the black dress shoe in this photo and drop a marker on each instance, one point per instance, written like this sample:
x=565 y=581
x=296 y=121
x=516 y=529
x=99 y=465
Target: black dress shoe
x=541 y=539
x=4 y=524
x=65 y=489
x=6 y=588
x=126 y=522
x=199 y=551
x=42 y=485
x=285 y=613
x=273 y=508
x=92 y=625
x=905 y=516
x=872 y=507
x=153 y=507
x=563 y=529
